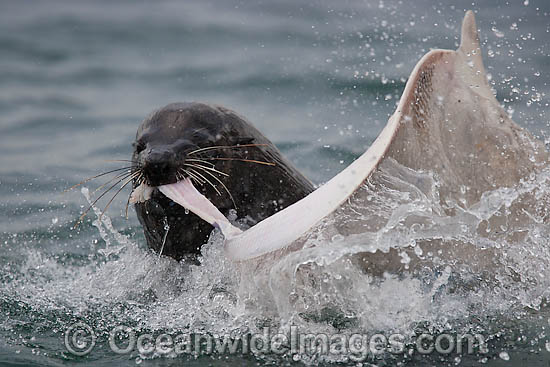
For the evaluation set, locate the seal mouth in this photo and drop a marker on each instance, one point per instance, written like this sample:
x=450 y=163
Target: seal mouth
x=141 y=193
x=184 y=193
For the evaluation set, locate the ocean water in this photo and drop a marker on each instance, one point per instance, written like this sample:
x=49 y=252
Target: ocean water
x=320 y=79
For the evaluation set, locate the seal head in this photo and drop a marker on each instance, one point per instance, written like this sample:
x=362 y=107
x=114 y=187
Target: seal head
x=230 y=162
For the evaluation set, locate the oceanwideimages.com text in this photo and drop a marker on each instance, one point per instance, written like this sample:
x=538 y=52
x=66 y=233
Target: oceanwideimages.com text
x=80 y=340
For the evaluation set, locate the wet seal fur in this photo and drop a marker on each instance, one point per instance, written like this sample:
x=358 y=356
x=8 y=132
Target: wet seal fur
x=163 y=151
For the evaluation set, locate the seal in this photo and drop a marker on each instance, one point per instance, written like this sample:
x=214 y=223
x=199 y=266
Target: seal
x=230 y=162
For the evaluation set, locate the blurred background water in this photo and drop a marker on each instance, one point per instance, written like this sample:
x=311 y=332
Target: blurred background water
x=319 y=78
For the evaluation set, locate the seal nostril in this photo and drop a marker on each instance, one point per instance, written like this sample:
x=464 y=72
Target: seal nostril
x=162 y=168
x=159 y=171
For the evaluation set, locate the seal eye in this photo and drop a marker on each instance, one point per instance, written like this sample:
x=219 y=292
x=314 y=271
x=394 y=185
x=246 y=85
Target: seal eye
x=139 y=146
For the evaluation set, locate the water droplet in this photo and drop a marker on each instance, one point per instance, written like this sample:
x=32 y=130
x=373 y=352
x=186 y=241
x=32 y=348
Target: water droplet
x=405 y=259
x=497 y=33
x=504 y=356
x=548 y=346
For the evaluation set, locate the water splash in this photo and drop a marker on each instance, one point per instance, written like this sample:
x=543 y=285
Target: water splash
x=166 y=229
x=329 y=283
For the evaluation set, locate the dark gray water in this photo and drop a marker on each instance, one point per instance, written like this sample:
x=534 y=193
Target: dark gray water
x=319 y=78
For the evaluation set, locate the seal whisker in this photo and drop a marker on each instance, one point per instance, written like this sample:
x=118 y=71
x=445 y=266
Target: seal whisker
x=225 y=147
x=97 y=176
x=98 y=198
x=180 y=175
x=138 y=182
x=123 y=175
x=200 y=161
x=206 y=168
x=116 y=193
x=194 y=176
x=241 y=160
x=225 y=187
x=207 y=180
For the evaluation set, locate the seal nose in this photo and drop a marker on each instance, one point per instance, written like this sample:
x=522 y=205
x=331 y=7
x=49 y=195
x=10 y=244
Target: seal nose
x=160 y=168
